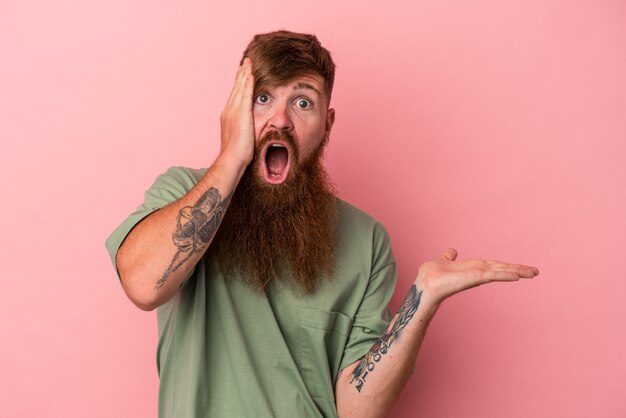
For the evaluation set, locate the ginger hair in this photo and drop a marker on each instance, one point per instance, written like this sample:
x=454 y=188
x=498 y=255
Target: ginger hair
x=281 y=56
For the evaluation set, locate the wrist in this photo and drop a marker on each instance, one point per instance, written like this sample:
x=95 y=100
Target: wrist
x=231 y=163
x=428 y=301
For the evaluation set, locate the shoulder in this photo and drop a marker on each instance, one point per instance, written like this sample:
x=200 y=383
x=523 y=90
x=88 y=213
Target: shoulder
x=353 y=220
x=172 y=185
x=362 y=232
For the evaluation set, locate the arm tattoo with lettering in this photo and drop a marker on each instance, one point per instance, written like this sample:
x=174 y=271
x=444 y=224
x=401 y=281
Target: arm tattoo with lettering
x=380 y=348
x=195 y=227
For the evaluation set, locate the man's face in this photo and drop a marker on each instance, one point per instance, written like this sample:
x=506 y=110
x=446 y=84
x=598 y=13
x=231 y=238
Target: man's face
x=298 y=108
x=283 y=214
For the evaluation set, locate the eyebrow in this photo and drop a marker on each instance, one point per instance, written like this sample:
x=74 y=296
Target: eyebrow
x=303 y=85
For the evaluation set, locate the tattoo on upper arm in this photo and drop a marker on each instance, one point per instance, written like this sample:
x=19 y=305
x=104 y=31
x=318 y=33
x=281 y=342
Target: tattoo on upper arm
x=195 y=227
x=380 y=348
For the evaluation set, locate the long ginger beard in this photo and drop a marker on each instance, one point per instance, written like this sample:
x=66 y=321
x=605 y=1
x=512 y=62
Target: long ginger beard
x=287 y=230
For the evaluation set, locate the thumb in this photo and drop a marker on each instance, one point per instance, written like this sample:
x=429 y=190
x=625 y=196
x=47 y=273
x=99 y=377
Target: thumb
x=450 y=254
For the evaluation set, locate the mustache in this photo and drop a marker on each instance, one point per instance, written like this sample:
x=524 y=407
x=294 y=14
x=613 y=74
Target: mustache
x=282 y=136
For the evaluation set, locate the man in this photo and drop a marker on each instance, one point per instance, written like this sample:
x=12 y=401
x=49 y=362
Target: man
x=271 y=292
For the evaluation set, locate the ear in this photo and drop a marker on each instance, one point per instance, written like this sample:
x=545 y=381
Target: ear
x=330 y=121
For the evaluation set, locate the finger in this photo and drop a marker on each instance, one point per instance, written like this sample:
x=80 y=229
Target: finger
x=235 y=93
x=248 y=87
x=450 y=254
x=241 y=79
x=525 y=271
x=498 y=276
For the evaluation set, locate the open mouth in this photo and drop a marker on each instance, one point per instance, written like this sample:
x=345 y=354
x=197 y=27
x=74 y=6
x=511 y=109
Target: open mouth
x=276 y=162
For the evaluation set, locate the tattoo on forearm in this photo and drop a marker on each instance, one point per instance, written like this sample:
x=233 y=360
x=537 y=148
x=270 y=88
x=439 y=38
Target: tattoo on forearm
x=392 y=333
x=195 y=227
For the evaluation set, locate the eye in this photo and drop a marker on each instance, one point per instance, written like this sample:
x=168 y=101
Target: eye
x=304 y=103
x=262 y=98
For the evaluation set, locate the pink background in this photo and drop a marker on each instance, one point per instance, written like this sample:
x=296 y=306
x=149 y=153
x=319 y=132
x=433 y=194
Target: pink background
x=496 y=127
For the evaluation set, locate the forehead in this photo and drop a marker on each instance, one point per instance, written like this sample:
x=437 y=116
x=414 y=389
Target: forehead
x=311 y=82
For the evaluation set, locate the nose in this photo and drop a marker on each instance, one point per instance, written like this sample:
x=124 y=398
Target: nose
x=280 y=119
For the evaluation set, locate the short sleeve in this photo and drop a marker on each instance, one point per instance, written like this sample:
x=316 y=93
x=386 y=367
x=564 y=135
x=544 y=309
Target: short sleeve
x=167 y=188
x=373 y=314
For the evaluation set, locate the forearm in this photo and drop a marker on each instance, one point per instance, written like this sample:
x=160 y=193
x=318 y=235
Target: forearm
x=162 y=249
x=369 y=387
